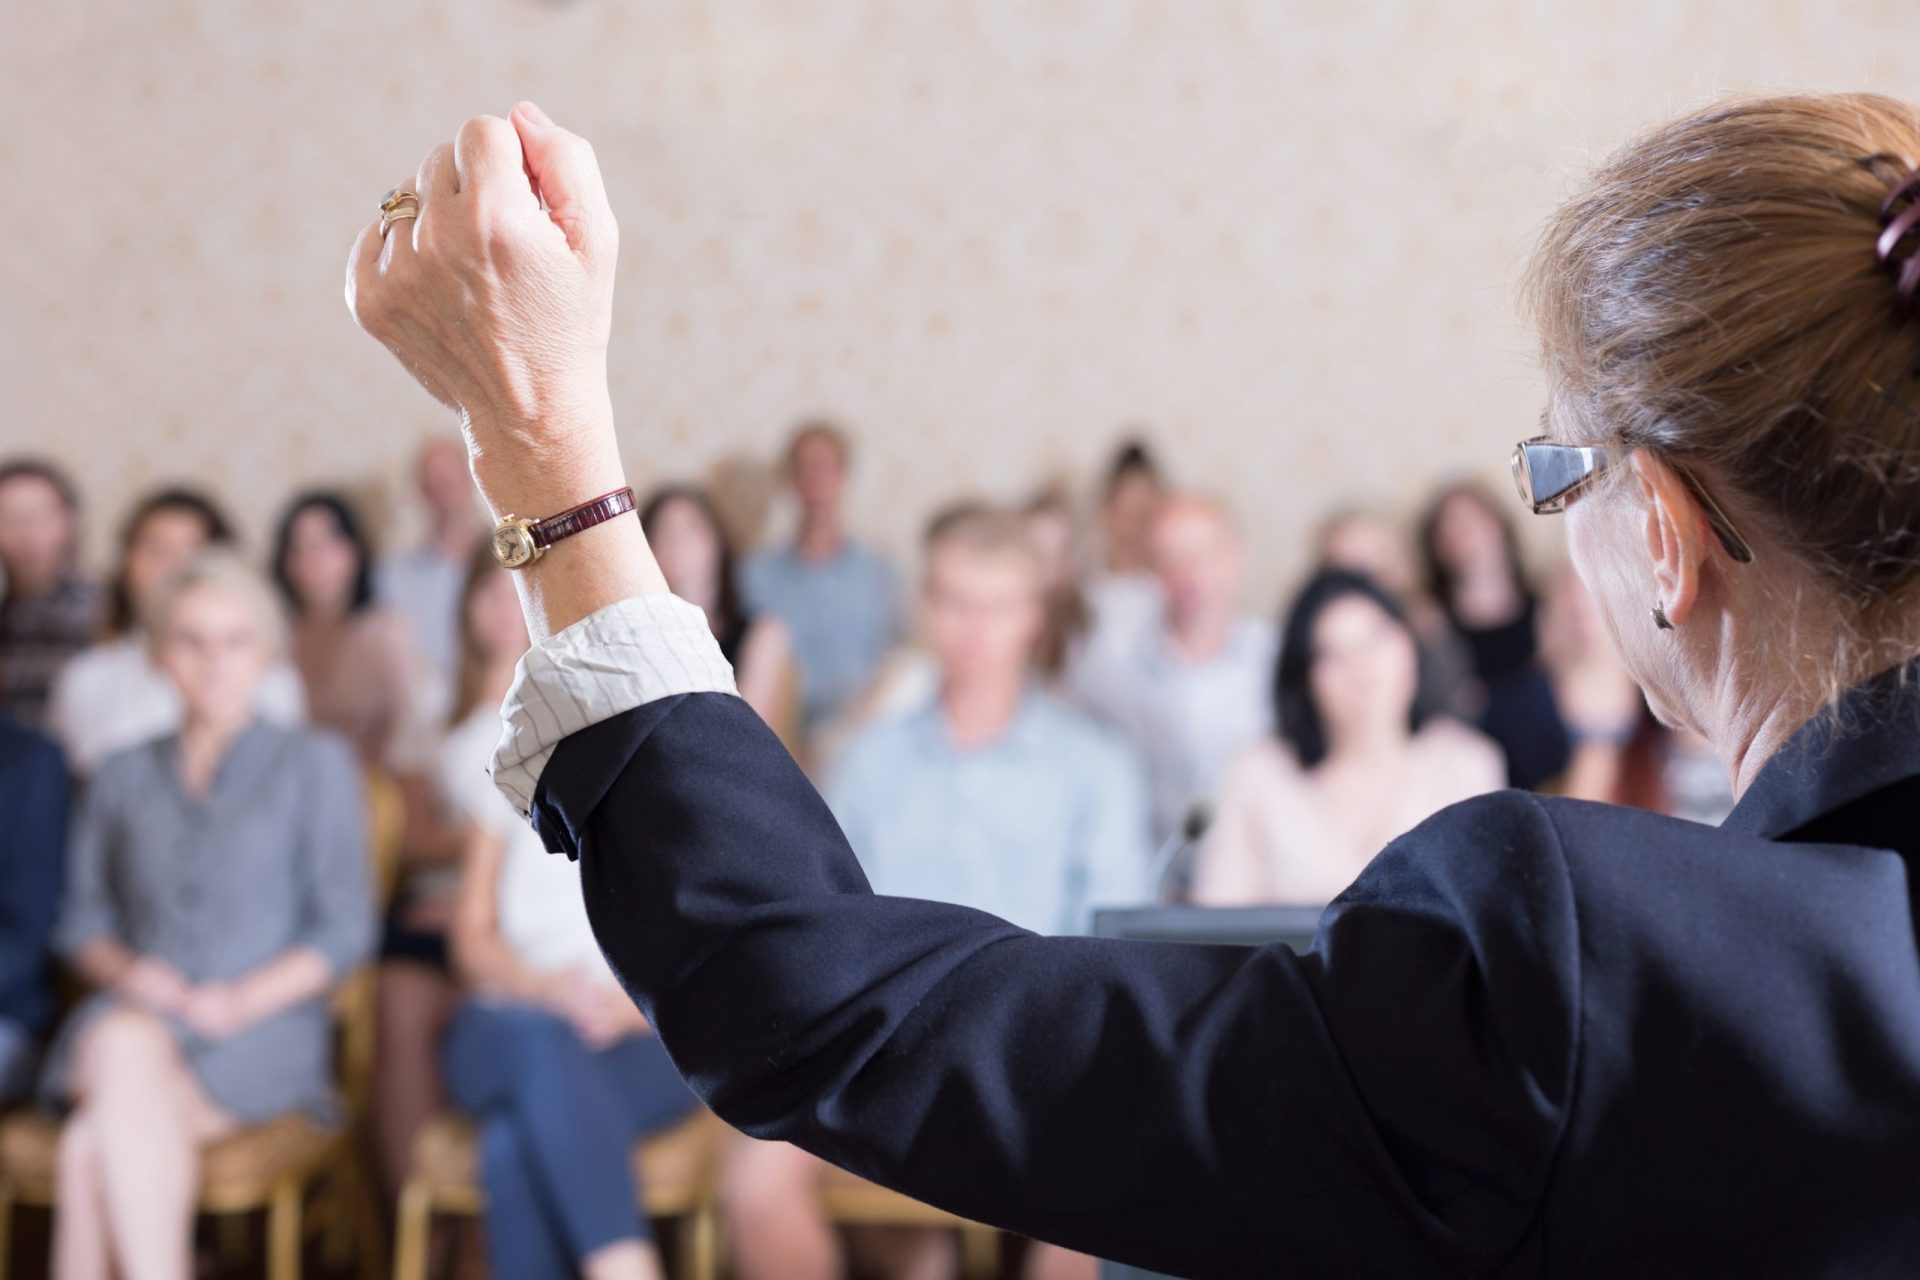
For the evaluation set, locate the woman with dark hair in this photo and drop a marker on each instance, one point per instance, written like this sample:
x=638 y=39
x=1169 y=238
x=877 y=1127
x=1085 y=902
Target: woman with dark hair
x=112 y=696
x=546 y=1053
x=356 y=658
x=697 y=557
x=1475 y=571
x=1362 y=754
x=1123 y=595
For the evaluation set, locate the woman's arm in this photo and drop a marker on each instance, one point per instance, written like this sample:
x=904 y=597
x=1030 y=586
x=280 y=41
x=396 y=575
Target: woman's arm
x=765 y=672
x=481 y=957
x=1390 y=1100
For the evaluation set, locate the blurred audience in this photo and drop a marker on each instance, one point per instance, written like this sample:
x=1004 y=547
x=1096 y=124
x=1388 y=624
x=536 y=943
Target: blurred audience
x=1190 y=692
x=1361 y=756
x=218 y=888
x=114 y=695
x=840 y=601
x=547 y=1053
x=691 y=545
x=1056 y=720
x=48 y=611
x=33 y=855
x=993 y=794
x=423 y=581
x=356 y=658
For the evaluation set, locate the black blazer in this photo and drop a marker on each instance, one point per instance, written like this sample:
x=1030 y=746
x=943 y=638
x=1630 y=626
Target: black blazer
x=1535 y=1037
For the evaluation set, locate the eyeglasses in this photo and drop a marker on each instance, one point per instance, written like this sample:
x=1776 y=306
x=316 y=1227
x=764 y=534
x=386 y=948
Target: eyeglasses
x=1547 y=474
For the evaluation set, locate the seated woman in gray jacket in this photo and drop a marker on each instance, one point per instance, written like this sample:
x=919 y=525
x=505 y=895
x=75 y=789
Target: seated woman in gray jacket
x=217 y=890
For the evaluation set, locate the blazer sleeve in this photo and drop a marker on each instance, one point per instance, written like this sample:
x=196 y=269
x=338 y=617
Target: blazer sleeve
x=1390 y=1102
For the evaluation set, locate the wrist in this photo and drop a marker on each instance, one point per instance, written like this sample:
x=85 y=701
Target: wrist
x=538 y=466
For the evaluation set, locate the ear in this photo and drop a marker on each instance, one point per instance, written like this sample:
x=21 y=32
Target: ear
x=1679 y=539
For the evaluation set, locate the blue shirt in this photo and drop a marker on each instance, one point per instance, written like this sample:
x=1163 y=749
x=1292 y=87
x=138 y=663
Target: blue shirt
x=1039 y=827
x=843 y=613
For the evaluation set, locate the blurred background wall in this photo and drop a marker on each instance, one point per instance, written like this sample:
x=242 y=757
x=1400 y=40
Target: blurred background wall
x=989 y=236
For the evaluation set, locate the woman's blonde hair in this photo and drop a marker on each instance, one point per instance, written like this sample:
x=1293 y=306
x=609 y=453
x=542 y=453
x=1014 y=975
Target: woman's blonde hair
x=222 y=570
x=1713 y=294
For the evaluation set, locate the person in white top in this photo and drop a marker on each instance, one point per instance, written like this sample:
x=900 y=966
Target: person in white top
x=548 y=1054
x=112 y=695
x=1190 y=692
x=1359 y=759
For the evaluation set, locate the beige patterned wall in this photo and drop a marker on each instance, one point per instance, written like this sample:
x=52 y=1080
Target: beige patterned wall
x=985 y=233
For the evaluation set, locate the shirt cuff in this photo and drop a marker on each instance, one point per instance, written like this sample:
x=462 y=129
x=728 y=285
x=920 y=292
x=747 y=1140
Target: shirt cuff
x=630 y=653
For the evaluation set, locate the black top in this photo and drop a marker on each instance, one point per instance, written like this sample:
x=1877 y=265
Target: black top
x=732 y=635
x=1501 y=651
x=1535 y=1037
x=33 y=861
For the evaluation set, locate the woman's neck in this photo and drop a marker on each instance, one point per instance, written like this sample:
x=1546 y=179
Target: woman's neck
x=1487 y=595
x=1367 y=745
x=204 y=743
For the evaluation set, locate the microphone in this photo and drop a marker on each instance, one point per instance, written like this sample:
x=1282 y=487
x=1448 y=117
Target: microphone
x=1192 y=828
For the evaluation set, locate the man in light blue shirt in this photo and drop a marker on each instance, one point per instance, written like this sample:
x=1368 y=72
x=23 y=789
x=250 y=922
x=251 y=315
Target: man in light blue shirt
x=995 y=795
x=840 y=600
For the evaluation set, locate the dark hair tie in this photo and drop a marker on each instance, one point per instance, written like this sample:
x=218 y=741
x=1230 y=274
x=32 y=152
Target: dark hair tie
x=1897 y=227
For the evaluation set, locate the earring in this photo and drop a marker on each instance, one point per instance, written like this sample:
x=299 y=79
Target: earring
x=1660 y=617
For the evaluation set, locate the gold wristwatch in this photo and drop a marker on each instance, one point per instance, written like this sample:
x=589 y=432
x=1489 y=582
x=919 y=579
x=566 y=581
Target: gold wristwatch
x=519 y=541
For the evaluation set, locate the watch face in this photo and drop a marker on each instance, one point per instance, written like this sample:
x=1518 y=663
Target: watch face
x=512 y=544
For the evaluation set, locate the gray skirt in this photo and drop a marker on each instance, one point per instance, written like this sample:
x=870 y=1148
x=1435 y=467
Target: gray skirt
x=277 y=1065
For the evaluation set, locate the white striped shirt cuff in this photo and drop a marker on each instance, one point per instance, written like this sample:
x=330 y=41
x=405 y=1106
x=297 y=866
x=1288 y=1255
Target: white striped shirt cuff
x=630 y=653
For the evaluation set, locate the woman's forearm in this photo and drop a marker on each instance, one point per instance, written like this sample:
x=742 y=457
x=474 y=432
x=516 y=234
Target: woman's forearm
x=103 y=962
x=488 y=965
x=291 y=978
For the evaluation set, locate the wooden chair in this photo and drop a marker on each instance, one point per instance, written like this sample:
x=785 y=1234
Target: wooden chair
x=675 y=1170
x=271 y=1167
x=852 y=1201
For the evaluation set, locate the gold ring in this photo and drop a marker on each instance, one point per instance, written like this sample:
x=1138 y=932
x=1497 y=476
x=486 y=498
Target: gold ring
x=397 y=205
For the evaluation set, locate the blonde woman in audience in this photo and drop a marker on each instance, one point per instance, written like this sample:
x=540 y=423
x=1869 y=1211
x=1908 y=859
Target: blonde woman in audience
x=1359 y=758
x=547 y=1053
x=114 y=695
x=217 y=891
x=357 y=658
x=695 y=554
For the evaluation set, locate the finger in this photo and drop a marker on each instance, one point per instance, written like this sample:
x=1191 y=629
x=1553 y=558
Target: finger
x=363 y=271
x=486 y=152
x=438 y=176
x=567 y=176
x=398 y=239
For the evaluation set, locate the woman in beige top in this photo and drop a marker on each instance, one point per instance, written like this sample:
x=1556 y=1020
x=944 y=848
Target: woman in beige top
x=1359 y=759
x=356 y=659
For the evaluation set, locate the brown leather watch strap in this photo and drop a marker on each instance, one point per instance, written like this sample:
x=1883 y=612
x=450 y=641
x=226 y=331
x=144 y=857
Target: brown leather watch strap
x=585 y=516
